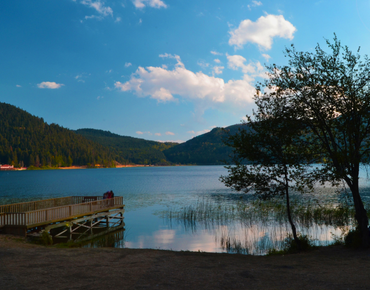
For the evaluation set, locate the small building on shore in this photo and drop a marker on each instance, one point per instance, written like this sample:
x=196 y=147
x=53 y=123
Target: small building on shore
x=6 y=167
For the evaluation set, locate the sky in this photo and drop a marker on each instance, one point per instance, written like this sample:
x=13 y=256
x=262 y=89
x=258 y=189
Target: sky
x=164 y=70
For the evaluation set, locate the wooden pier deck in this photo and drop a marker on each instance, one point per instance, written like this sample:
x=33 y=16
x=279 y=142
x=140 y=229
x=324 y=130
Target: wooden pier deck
x=20 y=218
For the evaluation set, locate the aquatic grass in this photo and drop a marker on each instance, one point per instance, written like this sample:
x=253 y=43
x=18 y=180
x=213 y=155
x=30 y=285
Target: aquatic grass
x=234 y=246
x=208 y=212
x=265 y=223
x=203 y=211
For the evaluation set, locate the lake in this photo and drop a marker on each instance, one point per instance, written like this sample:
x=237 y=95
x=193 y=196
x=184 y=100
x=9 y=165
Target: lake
x=156 y=199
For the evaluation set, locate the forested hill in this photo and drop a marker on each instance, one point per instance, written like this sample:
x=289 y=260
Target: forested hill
x=27 y=140
x=129 y=149
x=206 y=149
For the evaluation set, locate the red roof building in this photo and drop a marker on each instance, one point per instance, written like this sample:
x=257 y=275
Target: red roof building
x=6 y=167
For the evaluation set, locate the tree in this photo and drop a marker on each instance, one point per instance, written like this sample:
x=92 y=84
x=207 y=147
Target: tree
x=329 y=94
x=266 y=162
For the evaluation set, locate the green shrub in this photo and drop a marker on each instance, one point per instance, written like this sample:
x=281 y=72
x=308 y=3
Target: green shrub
x=46 y=238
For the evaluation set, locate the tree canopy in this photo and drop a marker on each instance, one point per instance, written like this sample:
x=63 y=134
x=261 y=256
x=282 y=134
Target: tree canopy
x=26 y=140
x=328 y=94
x=266 y=161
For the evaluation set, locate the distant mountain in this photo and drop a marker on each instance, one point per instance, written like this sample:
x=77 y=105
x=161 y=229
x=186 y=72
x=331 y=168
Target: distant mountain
x=27 y=140
x=130 y=149
x=206 y=149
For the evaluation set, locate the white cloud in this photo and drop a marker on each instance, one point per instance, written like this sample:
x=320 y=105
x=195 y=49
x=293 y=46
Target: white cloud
x=266 y=56
x=100 y=97
x=199 y=132
x=172 y=141
x=49 y=85
x=254 y=4
x=94 y=16
x=170 y=133
x=158 y=134
x=99 y=7
x=150 y=3
x=217 y=69
x=142 y=133
x=262 y=31
x=194 y=134
x=237 y=61
x=163 y=95
x=203 y=64
x=217 y=60
x=244 y=119
x=162 y=84
x=127 y=64
x=81 y=77
x=18 y=86
x=167 y=55
x=118 y=19
x=216 y=53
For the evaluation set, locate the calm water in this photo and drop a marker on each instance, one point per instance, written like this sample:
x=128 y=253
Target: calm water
x=149 y=192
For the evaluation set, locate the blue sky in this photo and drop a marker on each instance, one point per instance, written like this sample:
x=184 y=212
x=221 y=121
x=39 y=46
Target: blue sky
x=163 y=70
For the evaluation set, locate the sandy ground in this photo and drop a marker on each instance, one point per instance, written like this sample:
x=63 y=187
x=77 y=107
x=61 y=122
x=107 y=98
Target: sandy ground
x=27 y=266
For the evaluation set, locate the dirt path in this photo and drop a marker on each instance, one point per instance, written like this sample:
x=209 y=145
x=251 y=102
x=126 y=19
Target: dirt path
x=26 y=266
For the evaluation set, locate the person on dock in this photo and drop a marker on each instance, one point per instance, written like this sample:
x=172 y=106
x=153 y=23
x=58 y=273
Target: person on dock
x=108 y=195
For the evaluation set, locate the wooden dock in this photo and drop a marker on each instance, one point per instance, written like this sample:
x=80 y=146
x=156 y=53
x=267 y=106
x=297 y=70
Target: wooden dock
x=64 y=213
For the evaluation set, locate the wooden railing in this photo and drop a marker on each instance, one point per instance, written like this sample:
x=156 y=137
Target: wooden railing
x=47 y=215
x=46 y=203
x=14 y=219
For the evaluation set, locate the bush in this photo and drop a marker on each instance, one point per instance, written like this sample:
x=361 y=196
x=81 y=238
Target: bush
x=46 y=238
x=353 y=239
x=290 y=246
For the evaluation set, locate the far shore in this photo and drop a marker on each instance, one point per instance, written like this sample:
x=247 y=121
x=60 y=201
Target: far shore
x=86 y=167
x=117 y=166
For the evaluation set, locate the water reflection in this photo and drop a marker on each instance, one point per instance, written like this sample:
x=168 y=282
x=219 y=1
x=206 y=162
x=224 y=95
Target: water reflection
x=254 y=227
x=114 y=239
x=187 y=208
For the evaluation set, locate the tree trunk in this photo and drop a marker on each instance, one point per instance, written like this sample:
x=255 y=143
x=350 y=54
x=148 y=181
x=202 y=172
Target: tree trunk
x=361 y=215
x=296 y=239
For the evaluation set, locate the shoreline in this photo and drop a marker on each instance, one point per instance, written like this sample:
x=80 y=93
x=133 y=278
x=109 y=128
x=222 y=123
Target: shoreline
x=97 y=167
x=30 y=266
